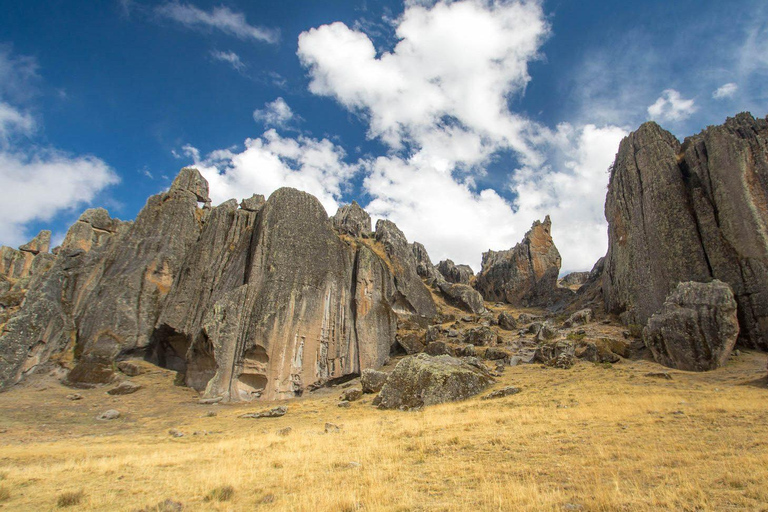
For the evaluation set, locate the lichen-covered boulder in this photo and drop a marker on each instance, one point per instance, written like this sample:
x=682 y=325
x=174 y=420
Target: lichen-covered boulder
x=423 y=380
x=372 y=380
x=696 y=329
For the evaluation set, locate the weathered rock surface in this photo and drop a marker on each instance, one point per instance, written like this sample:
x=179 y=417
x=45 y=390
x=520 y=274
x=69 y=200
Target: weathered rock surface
x=525 y=275
x=507 y=321
x=460 y=295
x=575 y=279
x=261 y=300
x=460 y=274
x=696 y=329
x=352 y=220
x=414 y=296
x=423 y=380
x=694 y=211
x=372 y=380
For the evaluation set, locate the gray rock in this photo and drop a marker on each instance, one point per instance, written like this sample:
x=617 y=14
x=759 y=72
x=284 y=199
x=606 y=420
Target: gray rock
x=574 y=279
x=546 y=332
x=696 y=329
x=439 y=348
x=494 y=354
x=481 y=336
x=459 y=274
x=352 y=220
x=501 y=393
x=411 y=342
x=423 y=380
x=690 y=212
x=108 y=415
x=372 y=380
x=413 y=297
x=41 y=243
x=581 y=317
x=274 y=412
x=507 y=321
x=525 y=275
x=332 y=428
x=124 y=388
x=253 y=203
x=350 y=395
x=462 y=296
x=555 y=353
x=128 y=368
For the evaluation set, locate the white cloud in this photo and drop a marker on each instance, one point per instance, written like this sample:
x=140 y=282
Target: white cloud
x=725 y=91
x=276 y=113
x=453 y=70
x=38 y=186
x=230 y=58
x=37 y=183
x=270 y=162
x=671 y=106
x=221 y=18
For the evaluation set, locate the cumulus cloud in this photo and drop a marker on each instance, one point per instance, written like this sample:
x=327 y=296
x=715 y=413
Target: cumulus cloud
x=275 y=113
x=270 y=162
x=671 y=106
x=454 y=69
x=230 y=58
x=38 y=183
x=725 y=91
x=220 y=18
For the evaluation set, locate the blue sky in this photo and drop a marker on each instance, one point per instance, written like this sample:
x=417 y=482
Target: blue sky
x=461 y=121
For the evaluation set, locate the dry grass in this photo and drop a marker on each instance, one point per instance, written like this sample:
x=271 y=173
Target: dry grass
x=589 y=438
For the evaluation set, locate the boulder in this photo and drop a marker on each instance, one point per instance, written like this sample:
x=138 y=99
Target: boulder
x=352 y=394
x=422 y=380
x=108 y=415
x=372 y=380
x=525 y=275
x=694 y=211
x=460 y=295
x=481 y=336
x=352 y=220
x=696 y=328
x=554 y=353
x=574 y=279
x=411 y=342
x=507 y=321
x=253 y=203
x=124 y=388
x=581 y=317
x=459 y=274
x=274 y=412
x=439 y=348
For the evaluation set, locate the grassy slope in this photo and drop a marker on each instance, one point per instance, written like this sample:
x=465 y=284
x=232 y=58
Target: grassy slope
x=603 y=438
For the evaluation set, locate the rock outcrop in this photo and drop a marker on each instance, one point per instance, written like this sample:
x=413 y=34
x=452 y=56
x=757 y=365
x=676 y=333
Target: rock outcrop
x=264 y=299
x=525 y=275
x=696 y=329
x=352 y=220
x=695 y=211
x=458 y=294
x=422 y=380
x=459 y=274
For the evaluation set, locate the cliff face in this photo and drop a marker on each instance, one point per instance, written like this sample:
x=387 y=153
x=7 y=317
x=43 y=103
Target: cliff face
x=525 y=275
x=695 y=211
x=261 y=300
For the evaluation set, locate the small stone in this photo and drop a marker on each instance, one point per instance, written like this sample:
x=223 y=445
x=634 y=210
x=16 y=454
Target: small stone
x=331 y=428
x=128 y=368
x=175 y=433
x=659 y=375
x=351 y=395
x=74 y=397
x=210 y=414
x=111 y=414
x=344 y=404
x=284 y=431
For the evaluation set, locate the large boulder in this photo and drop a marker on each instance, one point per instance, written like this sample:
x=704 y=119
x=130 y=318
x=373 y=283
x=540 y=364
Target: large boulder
x=457 y=294
x=696 y=329
x=694 y=211
x=525 y=275
x=423 y=380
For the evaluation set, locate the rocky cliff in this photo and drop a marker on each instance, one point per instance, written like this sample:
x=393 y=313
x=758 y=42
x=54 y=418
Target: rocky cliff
x=695 y=211
x=265 y=299
x=525 y=275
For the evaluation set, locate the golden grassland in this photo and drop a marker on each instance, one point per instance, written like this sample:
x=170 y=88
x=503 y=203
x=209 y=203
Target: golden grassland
x=595 y=437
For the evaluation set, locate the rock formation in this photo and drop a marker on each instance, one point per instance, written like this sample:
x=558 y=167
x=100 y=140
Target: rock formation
x=261 y=300
x=696 y=329
x=423 y=380
x=525 y=275
x=458 y=294
x=459 y=274
x=695 y=211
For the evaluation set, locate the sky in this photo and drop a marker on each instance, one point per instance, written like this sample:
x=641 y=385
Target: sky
x=462 y=121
